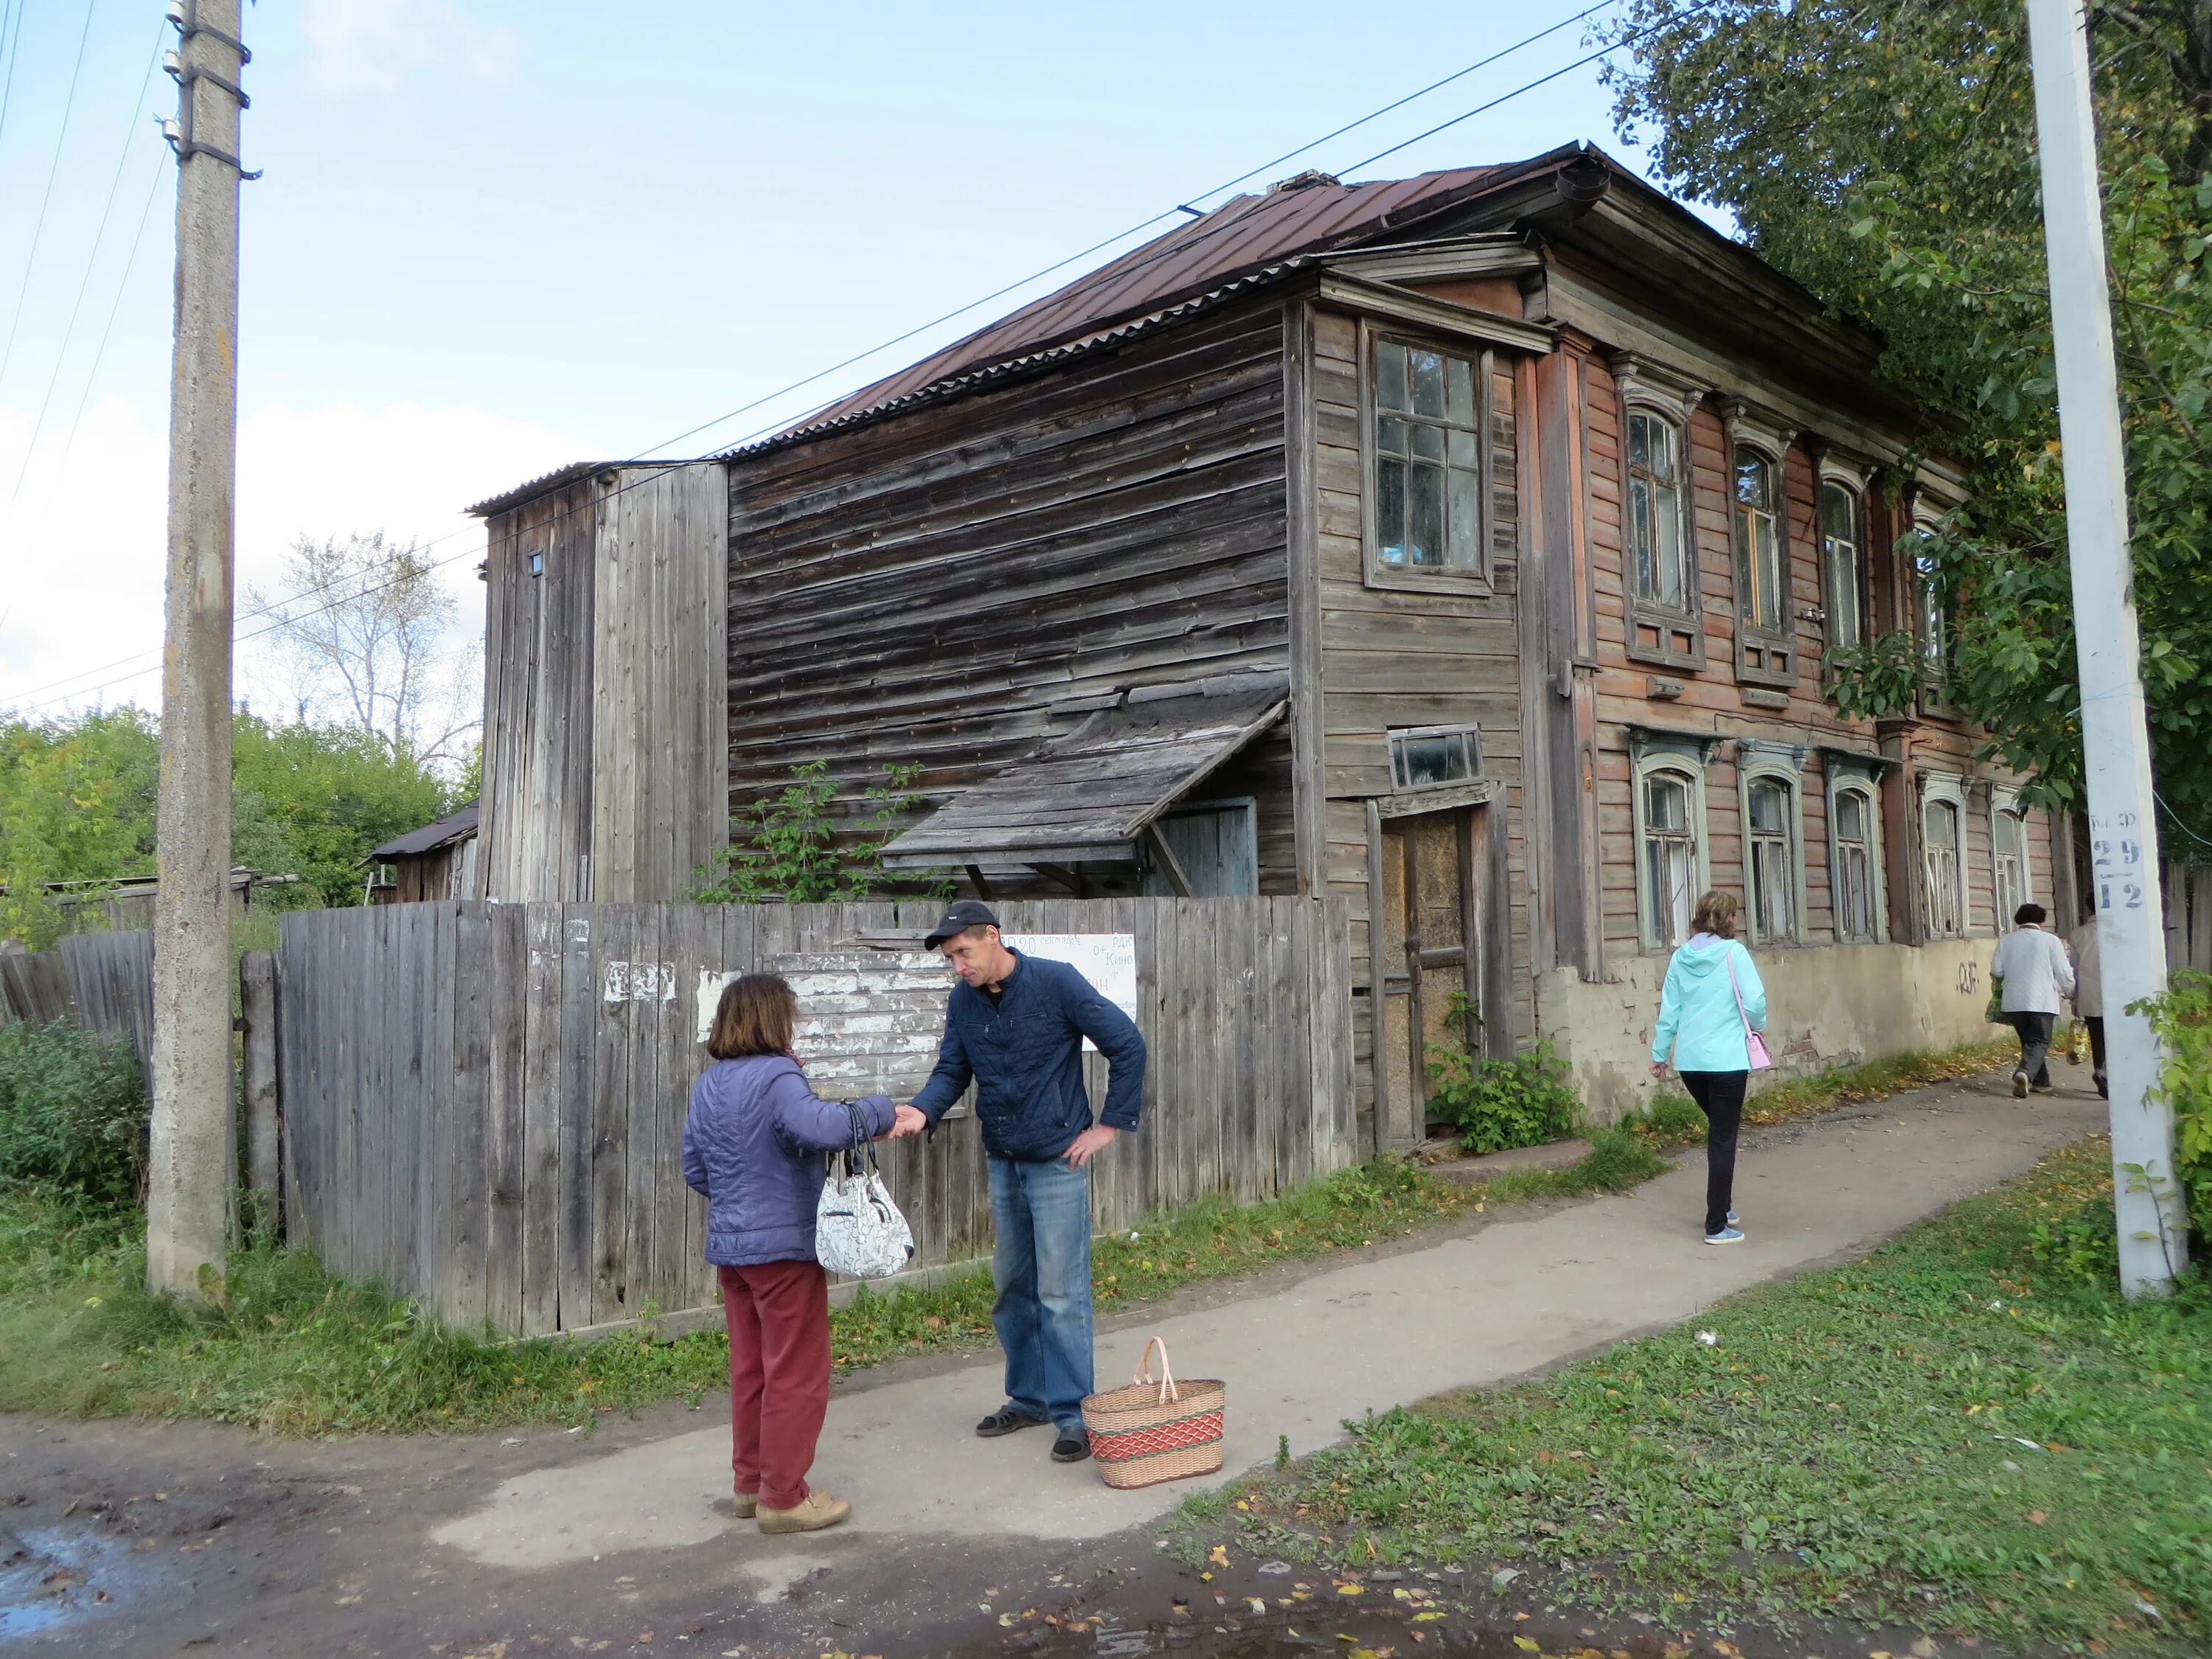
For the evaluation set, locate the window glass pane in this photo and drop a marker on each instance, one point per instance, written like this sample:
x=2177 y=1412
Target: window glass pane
x=1640 y=532
x=1424 y=516
x=1754 y=487
x=1428 y=382
x=1770 y=806
x=1667 y=530
x=1462 y=448
x=1439 y=757
x=1850 y=815
x=1390 y=376
x=1839 y=513
x=1390 y=509
x=1666 y=803
x=1771 y=612
x=1428 y=441
x=1459 y=390
x=1466 y=511
x=1660 y=449
x=2009 y=840
x=1390 y=436
x=1639 y=441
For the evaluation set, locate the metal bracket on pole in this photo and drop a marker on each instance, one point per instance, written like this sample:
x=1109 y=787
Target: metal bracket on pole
x=184 y=14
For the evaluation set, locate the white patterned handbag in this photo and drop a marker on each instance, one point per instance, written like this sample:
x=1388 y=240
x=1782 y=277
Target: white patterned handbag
x=858 y=1231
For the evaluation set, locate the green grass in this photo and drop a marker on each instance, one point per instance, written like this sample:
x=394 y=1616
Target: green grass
x=1850 y=1447
x=298 y=1351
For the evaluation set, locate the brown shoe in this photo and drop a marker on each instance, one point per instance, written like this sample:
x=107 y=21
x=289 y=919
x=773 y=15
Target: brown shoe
x=816 y=1511
x=745 y=1504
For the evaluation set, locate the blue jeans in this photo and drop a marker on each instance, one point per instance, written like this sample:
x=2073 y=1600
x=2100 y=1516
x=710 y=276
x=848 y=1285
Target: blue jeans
x=1042 y=1268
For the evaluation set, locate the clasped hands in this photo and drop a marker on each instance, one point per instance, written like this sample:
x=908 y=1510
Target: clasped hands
x=905 y=1120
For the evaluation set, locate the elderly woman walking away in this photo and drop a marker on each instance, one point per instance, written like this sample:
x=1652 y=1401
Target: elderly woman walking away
x=2036 y=978
x=753 y=1144
x=1711 y=1004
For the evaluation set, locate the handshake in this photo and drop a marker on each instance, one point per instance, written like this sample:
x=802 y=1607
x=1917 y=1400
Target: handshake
x=905 y=1121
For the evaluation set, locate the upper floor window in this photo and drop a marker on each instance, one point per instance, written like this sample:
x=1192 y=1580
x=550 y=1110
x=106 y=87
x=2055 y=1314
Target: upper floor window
x=2008 y=836
x=1758 y=542
x=1655 y=511
x=1843 y=544
x=1851 y=822
x=1429 y=756
x=1428 y=460
x=1941 y=825
x=1771 y=827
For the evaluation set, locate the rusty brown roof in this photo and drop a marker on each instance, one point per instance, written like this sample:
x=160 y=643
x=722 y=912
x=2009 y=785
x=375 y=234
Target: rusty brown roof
x=1242 y=233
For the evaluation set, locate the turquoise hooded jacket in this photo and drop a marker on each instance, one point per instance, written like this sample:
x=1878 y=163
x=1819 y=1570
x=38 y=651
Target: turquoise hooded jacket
x=1699 y=1028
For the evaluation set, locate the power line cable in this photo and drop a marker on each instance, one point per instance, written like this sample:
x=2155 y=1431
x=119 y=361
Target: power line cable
x=122 y=287
x=92 y=260
x=897 y=339
x=61 y=142
x=10 y=45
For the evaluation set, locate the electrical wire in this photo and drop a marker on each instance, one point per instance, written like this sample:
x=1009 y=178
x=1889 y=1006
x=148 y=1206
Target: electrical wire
x=122 y=287
x=275 y=607
x=92 y=260
x=10 y=42
x=61 y=142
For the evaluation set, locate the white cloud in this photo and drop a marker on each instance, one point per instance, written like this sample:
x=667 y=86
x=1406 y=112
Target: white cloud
x=366 y=45
x=81 y=551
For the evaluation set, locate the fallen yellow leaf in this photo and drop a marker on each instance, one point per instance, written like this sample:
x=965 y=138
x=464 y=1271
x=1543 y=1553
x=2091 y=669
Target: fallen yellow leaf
x=1524 y=1642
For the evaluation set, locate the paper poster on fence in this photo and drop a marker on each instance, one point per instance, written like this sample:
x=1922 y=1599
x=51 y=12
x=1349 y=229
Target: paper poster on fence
x=1109 y=960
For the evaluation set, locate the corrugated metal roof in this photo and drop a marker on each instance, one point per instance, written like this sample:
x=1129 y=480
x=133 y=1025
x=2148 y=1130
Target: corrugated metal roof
x=1243 y=232
x=560 y=478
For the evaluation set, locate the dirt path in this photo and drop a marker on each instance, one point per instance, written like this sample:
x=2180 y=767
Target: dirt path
x=185 y=1539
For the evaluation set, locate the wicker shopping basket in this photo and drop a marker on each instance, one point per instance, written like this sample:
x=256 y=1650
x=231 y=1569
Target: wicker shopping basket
x=1151 y=1431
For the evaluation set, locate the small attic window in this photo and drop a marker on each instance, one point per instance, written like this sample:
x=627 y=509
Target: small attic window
x=1432 y=756
x=537 y=564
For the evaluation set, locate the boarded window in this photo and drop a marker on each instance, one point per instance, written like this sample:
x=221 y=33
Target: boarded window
x=1852 y=829
x=1758 y=542
x=1428 y=460
x=1774 y=859
x=1947 y=901
x=1670 y=857
x=1843 y=544
x=1655 y=511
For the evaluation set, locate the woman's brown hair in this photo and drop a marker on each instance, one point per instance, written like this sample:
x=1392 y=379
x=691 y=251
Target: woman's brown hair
x=755 y=1017
x=1716 y=914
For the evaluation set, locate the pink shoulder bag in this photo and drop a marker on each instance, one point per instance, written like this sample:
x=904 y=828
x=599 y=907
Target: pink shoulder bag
x=1755 y=1043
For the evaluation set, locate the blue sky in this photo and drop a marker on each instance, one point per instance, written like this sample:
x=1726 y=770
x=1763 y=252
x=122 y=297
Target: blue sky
x=494 y=237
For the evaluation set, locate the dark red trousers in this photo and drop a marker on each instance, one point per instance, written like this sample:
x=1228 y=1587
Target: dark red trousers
x=778 y=1318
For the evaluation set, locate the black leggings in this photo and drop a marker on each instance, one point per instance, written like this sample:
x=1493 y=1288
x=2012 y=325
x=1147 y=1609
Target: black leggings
x=1719 y=1094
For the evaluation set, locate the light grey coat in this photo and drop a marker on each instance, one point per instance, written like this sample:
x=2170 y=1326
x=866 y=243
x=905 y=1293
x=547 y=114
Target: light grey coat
x=2088 y=977
x=2038 y=977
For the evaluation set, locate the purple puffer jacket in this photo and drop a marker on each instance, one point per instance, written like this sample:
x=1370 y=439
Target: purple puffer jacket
x=753 y=1145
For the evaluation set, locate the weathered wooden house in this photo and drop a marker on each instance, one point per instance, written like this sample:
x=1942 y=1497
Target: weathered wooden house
x=1466 y=545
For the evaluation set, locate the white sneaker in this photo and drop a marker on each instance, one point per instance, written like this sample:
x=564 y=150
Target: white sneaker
x=2020 y=1086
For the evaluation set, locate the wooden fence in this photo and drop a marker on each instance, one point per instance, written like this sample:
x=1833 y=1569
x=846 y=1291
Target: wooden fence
x=2188 y=891
x=102 y=981
x=484 y=1103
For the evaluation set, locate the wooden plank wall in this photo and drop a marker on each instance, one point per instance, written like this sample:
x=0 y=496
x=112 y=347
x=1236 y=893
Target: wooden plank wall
x=102 y=983
x=952 y=587
x=485 y=1103
x=1392 y=660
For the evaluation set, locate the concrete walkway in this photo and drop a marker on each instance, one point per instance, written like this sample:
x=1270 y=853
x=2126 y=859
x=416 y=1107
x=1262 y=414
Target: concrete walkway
x=1521 y=1294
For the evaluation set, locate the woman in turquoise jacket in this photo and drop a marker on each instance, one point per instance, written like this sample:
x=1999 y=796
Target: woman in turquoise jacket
x=1712 y=997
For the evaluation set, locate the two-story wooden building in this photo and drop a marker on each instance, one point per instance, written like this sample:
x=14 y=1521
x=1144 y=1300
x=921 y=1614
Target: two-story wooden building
x=1466 y=545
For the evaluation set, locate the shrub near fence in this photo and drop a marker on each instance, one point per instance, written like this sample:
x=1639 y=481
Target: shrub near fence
x=485 y=1103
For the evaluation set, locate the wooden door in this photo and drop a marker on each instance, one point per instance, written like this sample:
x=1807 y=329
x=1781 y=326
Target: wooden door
x=1218 y=845
x=1428 y=951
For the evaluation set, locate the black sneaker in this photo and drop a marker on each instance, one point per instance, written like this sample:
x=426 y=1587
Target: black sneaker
x=1006 y=1420
x=1073 y=1446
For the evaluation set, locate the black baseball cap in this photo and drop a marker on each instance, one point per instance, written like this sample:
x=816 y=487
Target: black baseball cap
x=966 y=914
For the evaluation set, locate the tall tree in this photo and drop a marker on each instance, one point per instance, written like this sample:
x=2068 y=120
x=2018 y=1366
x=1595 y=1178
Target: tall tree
x=365 y=635
x=1882 y=151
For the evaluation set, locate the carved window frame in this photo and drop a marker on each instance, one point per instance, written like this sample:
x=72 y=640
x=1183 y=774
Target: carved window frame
x=1837 y=473
x=1477 y=583
x=2004 y=803
x=1944 y=788
x=1931 y=617
x=1846 y=778
x=1684 y=759
x=1658 y=634
x=1781 y=764
x=1765 y=656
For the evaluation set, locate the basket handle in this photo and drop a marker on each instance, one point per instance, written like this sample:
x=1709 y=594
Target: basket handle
x=1167 y=1384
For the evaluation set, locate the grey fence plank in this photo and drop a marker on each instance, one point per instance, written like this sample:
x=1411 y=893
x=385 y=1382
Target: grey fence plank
x=541 y=1104
x=579 y=991
x=463 y=1231
x=504 y=1039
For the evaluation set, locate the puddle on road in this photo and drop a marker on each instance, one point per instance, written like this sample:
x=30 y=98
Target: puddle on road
x=51 y=1577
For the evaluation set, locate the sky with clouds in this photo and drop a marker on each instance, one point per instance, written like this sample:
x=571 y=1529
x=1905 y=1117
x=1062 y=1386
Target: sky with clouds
x=494 y=237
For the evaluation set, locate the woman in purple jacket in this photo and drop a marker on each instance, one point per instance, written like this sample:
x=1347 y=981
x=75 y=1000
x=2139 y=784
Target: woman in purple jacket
x=753 y=1145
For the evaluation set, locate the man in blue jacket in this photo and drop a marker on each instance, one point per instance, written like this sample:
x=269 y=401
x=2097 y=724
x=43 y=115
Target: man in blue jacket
x=1015 y=1026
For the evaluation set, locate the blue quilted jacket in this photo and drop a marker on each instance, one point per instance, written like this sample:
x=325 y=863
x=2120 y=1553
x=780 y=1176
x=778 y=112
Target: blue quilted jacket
x=753 y=1143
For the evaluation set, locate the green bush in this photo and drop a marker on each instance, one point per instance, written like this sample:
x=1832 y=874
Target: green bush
x=1671 y=1118
x=1497 y=1104
x=72 y=1112
x=2080 y=1246
x=2183 y=1020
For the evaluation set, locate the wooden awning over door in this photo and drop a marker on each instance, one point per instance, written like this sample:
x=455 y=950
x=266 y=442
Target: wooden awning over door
x=1091 y=797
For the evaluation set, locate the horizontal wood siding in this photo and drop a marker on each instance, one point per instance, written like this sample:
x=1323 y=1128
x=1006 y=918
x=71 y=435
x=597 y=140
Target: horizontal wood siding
x=485 y=1103
x=949 y=588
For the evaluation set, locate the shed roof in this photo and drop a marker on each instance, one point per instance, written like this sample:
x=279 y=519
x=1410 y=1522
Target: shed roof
x=1088 y=798
x=429 y=838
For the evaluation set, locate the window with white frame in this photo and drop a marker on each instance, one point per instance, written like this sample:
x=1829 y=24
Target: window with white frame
x=1428 y=463
x=1670 y=802
x=1758 y=537
x=1842 y=546
x=1770 y=813
x=2009 y=841
x=1943 y=841
x=1853 y=826
x=1431 y=757
x=1655 y=511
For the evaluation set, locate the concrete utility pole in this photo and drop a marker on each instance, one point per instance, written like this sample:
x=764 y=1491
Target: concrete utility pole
x=2116 y=738
x=193 y=1163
